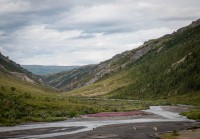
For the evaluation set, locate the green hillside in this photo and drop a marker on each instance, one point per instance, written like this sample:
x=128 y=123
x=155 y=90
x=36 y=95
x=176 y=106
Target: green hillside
x=169 y=71
x=24 y=102
x=8 y=66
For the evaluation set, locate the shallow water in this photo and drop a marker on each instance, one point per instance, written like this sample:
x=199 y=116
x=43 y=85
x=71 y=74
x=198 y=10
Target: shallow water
x=166 y=114
x=90 y=125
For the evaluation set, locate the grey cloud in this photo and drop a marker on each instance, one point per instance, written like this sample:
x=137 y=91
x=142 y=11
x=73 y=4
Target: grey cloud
x=84 y=36
x=176 y=18
x=48 y=12
x=34 y=29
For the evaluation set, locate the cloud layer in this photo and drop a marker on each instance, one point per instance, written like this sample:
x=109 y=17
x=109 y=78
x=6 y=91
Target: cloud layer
x=77 y=32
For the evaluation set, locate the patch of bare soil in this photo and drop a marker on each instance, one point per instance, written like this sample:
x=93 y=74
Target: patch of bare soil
x=113 y=114
x=118 y=116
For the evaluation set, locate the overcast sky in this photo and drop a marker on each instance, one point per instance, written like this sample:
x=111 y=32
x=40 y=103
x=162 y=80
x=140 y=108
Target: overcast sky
x=79 y=32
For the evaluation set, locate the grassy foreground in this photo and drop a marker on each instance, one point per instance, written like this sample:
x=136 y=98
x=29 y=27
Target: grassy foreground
x=18 y=107
x=23 y=102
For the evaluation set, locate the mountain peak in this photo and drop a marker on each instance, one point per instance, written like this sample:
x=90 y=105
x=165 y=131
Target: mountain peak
x=192 y=25
x=196 y=22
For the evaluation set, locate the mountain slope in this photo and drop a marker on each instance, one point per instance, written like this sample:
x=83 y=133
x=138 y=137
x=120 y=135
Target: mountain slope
x=170 y=70
x=44 y=70
x=11 y=68
x=87 y=75
x=167 y=67
x=69 y=80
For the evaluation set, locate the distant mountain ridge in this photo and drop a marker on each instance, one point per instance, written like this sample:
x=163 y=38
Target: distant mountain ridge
x=44 y=70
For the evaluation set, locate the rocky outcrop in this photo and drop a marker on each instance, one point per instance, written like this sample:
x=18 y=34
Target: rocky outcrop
x=23 y=77
x=9 y=67
x=194 y=24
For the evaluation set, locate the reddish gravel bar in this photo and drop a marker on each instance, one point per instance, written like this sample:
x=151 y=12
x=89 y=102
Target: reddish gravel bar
x=112 y=114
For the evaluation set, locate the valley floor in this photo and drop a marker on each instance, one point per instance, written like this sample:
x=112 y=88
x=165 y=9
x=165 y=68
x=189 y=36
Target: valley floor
x=157 y=119
x=126 y=131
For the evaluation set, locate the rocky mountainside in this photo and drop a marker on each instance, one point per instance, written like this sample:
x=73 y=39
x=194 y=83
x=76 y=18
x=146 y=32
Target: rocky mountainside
x=90 y=74
x=11 y=68
x=86 y=75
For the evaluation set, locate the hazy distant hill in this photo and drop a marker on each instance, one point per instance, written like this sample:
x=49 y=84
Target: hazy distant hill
x=43 y=70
